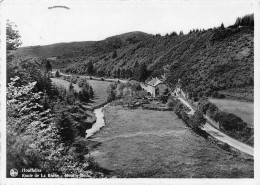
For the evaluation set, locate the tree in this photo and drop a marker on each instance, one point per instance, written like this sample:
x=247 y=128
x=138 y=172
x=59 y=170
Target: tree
x=197 y=120
x=47 y=65
x=173 y=34
x=57 y=74
x=111 y=94
x=12 y=43
x=71 y=87
x=114 y=54
x=90 y=68
x=141 y=72
x=237 y=23
x=222 y=26
x=118 y=73
x=12 y=37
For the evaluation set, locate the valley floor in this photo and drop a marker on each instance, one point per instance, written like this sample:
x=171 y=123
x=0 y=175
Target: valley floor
x=145 y=143
x=245 y=110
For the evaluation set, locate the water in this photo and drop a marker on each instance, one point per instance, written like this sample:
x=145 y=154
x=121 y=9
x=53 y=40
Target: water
x=100 y=122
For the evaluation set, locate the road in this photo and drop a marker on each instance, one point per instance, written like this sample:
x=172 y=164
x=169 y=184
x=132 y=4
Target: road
x=94 y=78
x=220 y=135
x=140 y=143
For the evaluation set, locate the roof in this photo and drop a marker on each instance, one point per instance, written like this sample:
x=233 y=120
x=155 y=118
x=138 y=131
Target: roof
x=154 y=82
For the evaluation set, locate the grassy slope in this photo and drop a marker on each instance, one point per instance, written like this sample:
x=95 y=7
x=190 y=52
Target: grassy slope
x=244 y=110
x=143 y=143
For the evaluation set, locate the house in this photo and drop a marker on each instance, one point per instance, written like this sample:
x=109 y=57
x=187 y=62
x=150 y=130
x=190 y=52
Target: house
x=156 y=87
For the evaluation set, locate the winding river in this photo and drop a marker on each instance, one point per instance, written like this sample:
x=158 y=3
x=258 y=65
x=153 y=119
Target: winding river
x=100 y=122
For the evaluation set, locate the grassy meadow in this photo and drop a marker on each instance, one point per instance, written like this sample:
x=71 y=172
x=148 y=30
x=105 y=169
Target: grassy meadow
x=99 y=88
x=143 y=143
x=245 y=110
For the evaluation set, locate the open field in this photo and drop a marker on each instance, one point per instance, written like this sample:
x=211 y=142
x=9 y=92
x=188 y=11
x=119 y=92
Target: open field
x=245 y=110
x=145 y=143
x=99 y=88
x=64 y=83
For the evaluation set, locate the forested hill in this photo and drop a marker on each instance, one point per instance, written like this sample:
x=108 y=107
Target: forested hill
x=214 y=60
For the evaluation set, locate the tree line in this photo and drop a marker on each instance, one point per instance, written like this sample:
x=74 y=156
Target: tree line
x=45 y=124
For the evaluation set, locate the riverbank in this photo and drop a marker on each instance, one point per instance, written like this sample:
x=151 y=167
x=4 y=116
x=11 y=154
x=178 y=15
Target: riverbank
x=146 y=143
x=99 y=100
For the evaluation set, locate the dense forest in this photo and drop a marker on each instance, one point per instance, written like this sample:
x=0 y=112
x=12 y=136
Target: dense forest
x=219 y=60
x=45 y=124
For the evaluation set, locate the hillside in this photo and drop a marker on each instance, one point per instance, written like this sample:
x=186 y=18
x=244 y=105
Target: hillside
x=213 y=60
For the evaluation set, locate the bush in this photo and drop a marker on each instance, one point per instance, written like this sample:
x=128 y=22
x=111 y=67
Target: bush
x=57 y=74
x=184 y=116
x=221 y=96
x=170 y=103
x=212 y=110
x=74 y=79
x=196 y=121
x=178 y=108
x=81 y=82
x=111 y=92
x=86 y=93
x=229 y=122
x=163 y=98
x=141 y=94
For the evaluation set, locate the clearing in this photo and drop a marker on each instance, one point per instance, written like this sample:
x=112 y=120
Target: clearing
x=99 y=88
x=245 y=110
x=144 y=143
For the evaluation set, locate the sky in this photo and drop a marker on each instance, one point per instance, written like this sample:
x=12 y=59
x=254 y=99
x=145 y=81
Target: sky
x=98 y=19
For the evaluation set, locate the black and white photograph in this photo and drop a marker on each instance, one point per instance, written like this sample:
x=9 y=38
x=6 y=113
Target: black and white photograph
x=129 y=90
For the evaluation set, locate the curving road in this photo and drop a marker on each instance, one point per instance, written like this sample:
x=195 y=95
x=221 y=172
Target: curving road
x=220 y=135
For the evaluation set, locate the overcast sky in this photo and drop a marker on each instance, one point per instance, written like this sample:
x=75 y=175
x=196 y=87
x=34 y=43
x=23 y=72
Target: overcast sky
x=96 y=20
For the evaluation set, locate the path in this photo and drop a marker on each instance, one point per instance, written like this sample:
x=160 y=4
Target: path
x=220 y=135
x=94 y=78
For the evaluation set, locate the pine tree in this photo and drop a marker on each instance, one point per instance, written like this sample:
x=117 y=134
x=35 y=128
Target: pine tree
x=136 y=70
x=47 y=66
x=114 y=55
x=237 y=23
x=222 y=26
x=90 y=68
x=143 y=72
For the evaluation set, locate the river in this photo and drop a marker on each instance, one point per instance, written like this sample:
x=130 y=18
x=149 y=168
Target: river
x=100 y=122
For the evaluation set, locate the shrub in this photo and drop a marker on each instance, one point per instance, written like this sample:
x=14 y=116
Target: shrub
x=71 y=87
x=81 y=82
x=178 y=108
x=200 y=95
x=57 y=74
x=170 y=103
x=229 y=122
x=86 y=93
x=212 y=110
x=221 y=96
x=74 y=79
x=111 y=92
x=196 y=121
x=184 y=116
x=163 y=98
x=141 y=94
x=135 y=86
